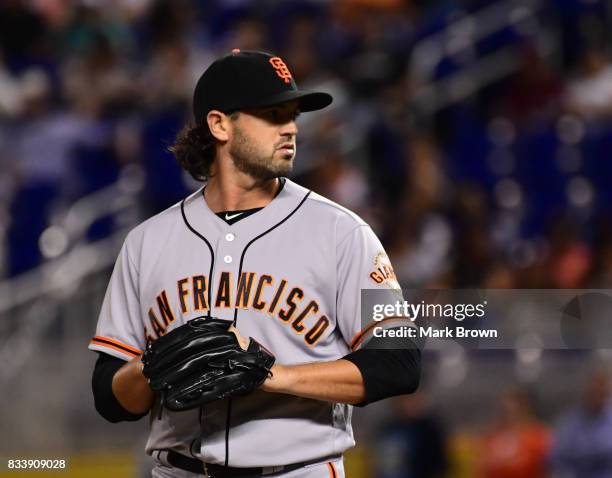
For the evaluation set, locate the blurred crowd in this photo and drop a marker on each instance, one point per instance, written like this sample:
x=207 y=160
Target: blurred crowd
x=514 y=442
x=505 y=186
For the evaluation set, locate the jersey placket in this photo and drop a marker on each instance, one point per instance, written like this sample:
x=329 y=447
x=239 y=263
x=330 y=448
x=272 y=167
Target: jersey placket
x=228 y=252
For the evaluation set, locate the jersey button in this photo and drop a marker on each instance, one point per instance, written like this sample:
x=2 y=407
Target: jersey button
x=227 y=259
x=229 y=237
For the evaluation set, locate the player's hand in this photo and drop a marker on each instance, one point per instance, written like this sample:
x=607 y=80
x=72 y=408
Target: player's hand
x=273 y=383
x=244 y=343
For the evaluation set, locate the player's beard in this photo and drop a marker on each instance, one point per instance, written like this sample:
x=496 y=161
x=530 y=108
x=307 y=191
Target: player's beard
x=250 y=159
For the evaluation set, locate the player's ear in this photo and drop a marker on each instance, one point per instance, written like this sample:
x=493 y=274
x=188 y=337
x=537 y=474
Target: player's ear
x=218 y=123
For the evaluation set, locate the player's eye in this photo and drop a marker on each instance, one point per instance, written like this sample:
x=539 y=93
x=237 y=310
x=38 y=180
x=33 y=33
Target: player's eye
x=279 y=115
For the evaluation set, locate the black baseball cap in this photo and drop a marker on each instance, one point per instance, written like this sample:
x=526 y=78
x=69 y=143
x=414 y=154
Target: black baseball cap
x=250 y=79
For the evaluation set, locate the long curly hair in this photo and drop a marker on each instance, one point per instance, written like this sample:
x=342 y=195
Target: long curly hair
x=194 y=149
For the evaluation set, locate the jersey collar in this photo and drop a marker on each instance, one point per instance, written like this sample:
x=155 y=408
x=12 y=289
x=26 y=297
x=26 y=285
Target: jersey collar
x=207 y=223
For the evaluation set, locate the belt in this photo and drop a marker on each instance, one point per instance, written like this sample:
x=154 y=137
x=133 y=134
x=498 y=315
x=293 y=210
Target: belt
x=193 y=465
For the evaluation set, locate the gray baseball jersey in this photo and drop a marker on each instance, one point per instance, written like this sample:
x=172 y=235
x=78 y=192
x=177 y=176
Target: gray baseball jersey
x=290 y=275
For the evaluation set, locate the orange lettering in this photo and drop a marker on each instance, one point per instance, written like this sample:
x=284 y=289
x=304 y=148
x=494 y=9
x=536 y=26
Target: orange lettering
x=281 y=69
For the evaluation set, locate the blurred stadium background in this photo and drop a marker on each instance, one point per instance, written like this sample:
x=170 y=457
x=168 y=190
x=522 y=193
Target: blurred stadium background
x=475 y=137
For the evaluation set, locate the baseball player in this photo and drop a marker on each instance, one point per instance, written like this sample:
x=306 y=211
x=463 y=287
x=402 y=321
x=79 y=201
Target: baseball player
x=282 y=264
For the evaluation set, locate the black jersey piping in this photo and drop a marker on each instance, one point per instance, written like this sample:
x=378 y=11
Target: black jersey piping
x=259 y=237
x=229 y=407
x=212 y=256
x=210 y=274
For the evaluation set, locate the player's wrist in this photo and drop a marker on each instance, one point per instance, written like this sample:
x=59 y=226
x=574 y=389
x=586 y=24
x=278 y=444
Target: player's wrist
x=280 y=381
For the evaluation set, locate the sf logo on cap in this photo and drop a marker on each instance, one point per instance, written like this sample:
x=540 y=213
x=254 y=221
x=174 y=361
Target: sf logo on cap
x=281 y=69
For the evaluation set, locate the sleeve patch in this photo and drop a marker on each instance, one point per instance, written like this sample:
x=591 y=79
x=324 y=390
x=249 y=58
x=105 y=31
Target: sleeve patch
x=383 y=273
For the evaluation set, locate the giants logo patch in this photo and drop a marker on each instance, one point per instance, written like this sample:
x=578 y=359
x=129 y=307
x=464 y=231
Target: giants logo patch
x=383 y=272
x=281 y=69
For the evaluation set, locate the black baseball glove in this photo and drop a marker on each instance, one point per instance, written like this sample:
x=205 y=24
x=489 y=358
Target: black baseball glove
x=202 y=361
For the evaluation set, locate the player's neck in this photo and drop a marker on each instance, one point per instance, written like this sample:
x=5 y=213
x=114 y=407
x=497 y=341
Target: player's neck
x=224 y=193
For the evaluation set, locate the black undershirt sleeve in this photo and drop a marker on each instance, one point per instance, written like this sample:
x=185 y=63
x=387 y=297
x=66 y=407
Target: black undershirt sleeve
x=387 y=372
x=105 y=401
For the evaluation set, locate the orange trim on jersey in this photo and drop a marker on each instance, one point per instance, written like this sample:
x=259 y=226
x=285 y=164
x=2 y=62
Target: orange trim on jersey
x=356 y=342
x=116 y=345
x=332 y=470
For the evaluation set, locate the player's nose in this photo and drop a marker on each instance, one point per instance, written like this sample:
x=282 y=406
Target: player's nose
x=289 y=128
